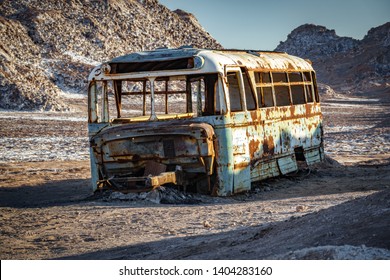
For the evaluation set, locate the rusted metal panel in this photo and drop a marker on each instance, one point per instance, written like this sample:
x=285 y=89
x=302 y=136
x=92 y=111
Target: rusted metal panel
x=153 y=168
x=125 y=151
x=313 y=156
x=287 y=165
x=241 y=158
x=162 y=178
x=264 y=169
x=224 y=160
x=143 y=183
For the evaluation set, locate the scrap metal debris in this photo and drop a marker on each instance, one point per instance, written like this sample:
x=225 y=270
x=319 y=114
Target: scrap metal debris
x=160 y=195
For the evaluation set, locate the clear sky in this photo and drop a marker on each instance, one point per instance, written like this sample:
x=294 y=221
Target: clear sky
x=260 y=24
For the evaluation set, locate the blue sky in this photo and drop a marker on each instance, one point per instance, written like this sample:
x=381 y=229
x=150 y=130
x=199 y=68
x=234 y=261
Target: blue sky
x=259 y=24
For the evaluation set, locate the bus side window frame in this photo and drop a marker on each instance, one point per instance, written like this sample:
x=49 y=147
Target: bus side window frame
x=218 y=105
x=251 y=93
x=311 y=85
x=93 y=107
x=237 y=71
x=278 y=88
x=221 y=106
x=314 y=85
x=261 y=86
x=295 y=86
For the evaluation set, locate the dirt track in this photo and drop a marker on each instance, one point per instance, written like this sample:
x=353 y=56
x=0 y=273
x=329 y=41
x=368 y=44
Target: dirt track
x=47 y=210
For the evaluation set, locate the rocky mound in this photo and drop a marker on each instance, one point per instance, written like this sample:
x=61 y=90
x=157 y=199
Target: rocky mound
x=346 y=64
x=316 y=41
x=49 y=47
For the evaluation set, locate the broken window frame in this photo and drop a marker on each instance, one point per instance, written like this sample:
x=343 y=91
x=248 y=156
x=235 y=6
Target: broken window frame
x=262 y=86
x=214 y=104
x=308 y=82
x=250 y=97
x=281 y=87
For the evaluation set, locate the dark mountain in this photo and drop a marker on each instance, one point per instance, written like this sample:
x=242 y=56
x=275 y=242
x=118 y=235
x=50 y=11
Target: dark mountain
x=48 y=47
x=346 y=64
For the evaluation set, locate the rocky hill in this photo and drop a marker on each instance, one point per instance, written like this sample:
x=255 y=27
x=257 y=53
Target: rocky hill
x=346 y=64
x=48 y=47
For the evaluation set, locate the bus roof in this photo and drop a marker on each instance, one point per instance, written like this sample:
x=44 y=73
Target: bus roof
x=205 y=60
x=265 y=60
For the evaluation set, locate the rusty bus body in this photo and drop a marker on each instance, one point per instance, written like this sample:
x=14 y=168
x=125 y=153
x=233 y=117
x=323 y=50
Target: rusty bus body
x=211 y=120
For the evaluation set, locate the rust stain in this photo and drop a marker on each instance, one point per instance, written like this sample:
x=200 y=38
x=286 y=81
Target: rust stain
x=268 y=146
x=241 y=165
x=253 y=147
x=309 y=107
x=267 y=113
x=292 y=110
x=290 y=66
x=297 y=122
x=254 y=115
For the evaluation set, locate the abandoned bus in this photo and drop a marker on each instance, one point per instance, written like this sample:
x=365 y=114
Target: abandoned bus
x=210 y=121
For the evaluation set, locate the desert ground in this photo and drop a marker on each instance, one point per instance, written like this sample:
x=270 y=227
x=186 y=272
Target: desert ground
x=339 y=209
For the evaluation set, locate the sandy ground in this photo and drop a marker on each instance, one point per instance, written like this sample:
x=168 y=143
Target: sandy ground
x=337 y=210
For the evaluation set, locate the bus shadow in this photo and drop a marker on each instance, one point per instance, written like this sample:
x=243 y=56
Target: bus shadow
x=358 y=222
x=54 y=193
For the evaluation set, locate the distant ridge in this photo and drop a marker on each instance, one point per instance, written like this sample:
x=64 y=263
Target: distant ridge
x=344 y=63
